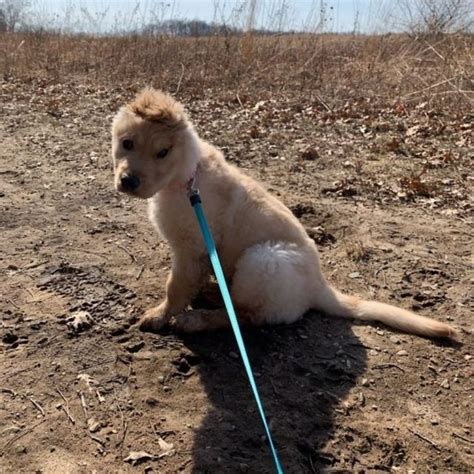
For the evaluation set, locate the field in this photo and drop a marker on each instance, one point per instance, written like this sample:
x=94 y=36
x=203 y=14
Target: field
x=367 y=139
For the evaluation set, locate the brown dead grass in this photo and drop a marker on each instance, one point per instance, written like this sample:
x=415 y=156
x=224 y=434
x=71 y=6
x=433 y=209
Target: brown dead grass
x=333 y=69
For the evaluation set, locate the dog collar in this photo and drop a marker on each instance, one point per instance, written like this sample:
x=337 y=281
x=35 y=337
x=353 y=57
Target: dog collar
x=188 y=185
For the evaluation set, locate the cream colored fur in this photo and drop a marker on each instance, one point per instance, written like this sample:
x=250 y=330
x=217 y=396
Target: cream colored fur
x=272 y=265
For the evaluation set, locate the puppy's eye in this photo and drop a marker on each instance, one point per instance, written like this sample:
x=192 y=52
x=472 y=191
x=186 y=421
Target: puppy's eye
x=162 y=153
x=127 y=144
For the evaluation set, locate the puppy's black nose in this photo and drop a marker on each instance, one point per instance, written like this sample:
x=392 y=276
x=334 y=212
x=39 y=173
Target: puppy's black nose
x=129 y=182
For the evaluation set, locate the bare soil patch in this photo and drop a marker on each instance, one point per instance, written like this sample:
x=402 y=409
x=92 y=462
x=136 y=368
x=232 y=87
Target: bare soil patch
x=386 y=192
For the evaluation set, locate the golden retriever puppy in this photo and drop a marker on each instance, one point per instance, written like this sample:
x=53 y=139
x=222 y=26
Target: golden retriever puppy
x=270 y=262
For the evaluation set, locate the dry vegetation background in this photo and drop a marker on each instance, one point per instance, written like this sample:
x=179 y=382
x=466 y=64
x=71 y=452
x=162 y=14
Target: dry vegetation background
x=368 y=139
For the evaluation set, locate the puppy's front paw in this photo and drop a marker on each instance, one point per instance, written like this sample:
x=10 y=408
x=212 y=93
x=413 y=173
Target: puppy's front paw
x=153 y=320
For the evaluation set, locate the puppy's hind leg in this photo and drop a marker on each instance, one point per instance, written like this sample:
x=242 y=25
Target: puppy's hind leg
x=274 y=281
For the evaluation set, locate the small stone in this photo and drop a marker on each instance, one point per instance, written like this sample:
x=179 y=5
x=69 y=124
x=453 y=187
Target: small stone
x=135 y=346
x=365 y=382
x=375 y=407
x=394 y=339
x=380 y=332
x=93 y=425
x=402 y=353
x=445 y=384
x=161 y=379
x=234 y=355
x=467 y=357
x=151 y=401
x=354 y=275
x=434 y=421
x=9 y=338
x=166 y=388
x=373 y=352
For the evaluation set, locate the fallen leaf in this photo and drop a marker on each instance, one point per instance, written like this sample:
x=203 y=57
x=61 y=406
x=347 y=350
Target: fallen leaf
x=136 y=457
x=354 y=275
x=167 y=449
x=88 y=380
x=79 y=322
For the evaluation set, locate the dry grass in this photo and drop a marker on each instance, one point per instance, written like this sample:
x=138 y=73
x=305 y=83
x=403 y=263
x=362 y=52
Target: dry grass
x=330 y=68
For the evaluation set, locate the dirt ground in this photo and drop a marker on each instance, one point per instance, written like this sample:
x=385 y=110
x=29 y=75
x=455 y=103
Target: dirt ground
x=385 y=192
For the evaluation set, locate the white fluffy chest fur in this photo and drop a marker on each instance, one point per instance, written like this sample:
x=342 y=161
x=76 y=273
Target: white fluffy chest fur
x=173 y=217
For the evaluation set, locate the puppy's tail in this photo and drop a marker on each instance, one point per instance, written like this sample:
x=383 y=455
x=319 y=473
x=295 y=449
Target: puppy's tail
x=333 y=302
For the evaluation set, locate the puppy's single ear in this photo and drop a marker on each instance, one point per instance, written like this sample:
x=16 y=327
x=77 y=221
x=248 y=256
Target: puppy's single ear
x=158 y=106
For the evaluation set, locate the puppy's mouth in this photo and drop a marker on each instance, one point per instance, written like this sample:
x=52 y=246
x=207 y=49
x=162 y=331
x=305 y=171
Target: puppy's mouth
x=129 y=192
x=138 y=193
x=122 y=190
x=129 y=183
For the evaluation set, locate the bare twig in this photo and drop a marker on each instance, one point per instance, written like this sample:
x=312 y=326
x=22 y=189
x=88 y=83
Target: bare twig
x=154 y=431
x=139 y=274
x=321 y=101
x=66 y=408
x=180 y=79
x=463 y=438
x=100 y=254
x=13 y=303
x=239 y=101
x=429 y=87
x=424 y=438
x=37 y=405
x=97 y=440
x=8 y=390
x=386 y=366
x=127 y=252
x=120 y=409
x=124 y=433
x=83 y=404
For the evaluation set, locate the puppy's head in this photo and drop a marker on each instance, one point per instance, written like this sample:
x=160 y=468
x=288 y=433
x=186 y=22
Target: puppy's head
x=151 y=144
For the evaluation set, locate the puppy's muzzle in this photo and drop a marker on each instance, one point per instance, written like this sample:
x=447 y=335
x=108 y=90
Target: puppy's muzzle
x=129 y=183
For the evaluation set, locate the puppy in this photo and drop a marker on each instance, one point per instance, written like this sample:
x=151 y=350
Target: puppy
x=272 y=265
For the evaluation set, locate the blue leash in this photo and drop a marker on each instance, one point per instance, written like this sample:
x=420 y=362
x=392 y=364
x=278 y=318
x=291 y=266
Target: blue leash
x=216 y=265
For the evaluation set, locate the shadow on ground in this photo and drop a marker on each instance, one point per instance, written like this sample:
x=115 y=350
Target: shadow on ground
x=303 y=372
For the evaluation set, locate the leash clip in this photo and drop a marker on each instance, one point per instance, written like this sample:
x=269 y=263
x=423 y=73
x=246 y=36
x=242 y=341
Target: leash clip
x=193 y=192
